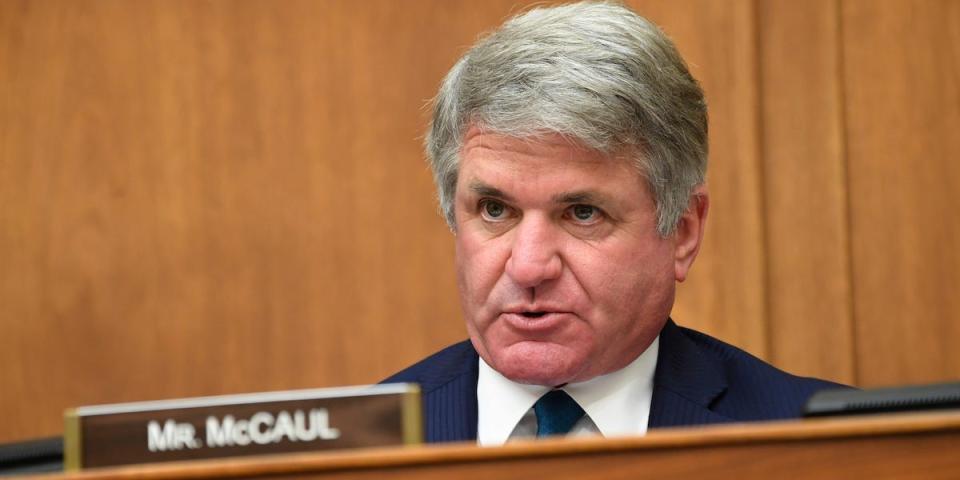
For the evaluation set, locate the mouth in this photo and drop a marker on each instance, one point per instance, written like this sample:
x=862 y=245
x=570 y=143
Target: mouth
x=535 y=321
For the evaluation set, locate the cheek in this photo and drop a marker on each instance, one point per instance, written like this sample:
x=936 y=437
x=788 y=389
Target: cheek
x=627 y=284
x=479 y=267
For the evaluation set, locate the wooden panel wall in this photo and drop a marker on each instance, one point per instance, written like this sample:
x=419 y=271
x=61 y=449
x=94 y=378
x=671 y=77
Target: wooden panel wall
x=204 y=197
x=902 y=81
x=212 y=197
x=725 y=294
x=809 y=307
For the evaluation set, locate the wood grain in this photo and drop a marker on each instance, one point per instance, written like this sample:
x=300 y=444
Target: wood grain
x=886 y=446
x=902 y=83
x=216 y=197
x=805 y=190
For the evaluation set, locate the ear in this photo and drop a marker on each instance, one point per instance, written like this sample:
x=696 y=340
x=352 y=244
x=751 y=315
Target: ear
x=689 y=233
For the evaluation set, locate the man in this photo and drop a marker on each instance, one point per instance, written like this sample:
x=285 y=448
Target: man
x=569 y=151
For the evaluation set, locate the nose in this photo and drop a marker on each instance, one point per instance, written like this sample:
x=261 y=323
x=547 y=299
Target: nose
x=535 y=257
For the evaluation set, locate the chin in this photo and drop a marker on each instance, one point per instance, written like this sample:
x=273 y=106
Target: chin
x=537 y=363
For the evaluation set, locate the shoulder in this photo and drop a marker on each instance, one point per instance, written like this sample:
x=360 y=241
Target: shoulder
x=441 y=367
x=448 y=384
x=755 y=390
x=746 y=368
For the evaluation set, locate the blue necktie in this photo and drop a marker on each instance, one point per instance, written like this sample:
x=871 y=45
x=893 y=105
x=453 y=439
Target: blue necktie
x=556 y=413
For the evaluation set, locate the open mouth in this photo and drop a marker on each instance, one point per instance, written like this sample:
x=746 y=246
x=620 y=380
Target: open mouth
x=534 y=322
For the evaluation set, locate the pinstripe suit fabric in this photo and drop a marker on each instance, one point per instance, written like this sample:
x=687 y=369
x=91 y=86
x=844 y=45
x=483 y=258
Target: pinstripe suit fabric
x=699 y=381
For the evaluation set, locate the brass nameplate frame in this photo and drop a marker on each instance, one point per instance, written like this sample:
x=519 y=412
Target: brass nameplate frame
x=247 y=424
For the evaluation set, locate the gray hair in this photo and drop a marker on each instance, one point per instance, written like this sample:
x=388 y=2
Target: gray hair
x=593 y=72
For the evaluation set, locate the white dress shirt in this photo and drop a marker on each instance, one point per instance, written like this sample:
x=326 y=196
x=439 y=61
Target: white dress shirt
x=616 y=404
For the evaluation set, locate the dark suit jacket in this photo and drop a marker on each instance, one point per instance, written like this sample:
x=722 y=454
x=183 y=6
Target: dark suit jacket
x=699 y=380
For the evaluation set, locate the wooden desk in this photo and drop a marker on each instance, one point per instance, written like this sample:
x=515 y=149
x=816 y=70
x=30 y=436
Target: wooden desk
x=925 y=445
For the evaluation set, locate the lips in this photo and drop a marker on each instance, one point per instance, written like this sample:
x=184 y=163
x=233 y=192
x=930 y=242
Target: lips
x=535 y=309
x=535 y=321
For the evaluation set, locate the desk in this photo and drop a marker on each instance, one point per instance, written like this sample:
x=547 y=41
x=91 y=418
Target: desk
x=918 y=445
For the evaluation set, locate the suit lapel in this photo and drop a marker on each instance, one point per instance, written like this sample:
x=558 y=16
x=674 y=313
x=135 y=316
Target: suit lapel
x=688 y=380
x=450 y=398
x=686 y=383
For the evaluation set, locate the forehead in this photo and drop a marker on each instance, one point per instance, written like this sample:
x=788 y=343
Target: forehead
x=549 y=144
x=549 y=154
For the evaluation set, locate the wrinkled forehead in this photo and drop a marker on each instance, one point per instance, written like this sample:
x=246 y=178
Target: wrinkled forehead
x=479 y=143
x=549 y=167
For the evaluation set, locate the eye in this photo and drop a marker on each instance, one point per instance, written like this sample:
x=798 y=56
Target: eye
x=493 y=210
x=585 y=214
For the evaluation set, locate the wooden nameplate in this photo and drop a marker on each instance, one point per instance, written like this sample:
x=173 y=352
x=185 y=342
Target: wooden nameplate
x=247 y=424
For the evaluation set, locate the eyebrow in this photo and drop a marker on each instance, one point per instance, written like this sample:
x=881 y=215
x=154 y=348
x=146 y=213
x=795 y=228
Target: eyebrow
x=484 y=190
x=580 y=196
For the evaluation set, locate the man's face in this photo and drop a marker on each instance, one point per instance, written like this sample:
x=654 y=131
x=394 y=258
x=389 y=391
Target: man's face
x=562 y=274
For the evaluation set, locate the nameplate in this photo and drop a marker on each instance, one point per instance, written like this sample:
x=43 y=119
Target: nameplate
x=247 y=424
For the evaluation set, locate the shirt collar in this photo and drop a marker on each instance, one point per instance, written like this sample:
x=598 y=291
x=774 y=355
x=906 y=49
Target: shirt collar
x=618 y=402
x=501 y=403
